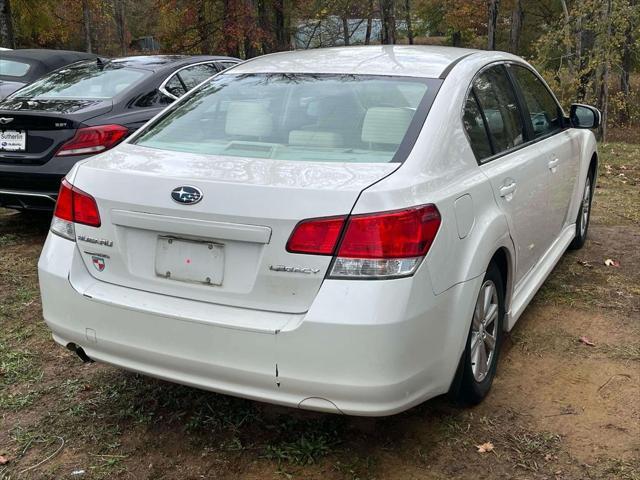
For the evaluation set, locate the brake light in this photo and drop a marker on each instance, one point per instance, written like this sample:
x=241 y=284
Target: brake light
x=376 y=245
x=316 y=236
x=90 y=140
x=73 y=206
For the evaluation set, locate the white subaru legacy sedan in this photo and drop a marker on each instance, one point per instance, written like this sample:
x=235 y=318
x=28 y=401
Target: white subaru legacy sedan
x=347 y=230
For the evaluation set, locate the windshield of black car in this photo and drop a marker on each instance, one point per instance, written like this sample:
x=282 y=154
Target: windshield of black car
x=301 y=117
x=84 y=80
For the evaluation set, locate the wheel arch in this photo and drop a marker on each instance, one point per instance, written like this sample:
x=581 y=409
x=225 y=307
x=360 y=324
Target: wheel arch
x=504 y=262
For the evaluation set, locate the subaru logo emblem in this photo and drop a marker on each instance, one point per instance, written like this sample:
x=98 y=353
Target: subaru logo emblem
x=5 y=120
x=186 y=195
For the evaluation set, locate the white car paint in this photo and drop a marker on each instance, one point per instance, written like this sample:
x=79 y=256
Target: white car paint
x=353 y=346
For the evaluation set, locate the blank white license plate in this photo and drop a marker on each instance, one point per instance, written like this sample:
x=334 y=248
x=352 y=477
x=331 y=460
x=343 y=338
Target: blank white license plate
x=13 y=140
x=190 y=260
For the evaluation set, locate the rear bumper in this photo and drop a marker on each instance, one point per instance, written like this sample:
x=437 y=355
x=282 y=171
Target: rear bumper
x=364 y=348
x=33 y=187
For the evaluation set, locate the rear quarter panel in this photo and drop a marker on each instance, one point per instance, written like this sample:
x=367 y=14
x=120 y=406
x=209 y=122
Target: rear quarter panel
x=440 y=169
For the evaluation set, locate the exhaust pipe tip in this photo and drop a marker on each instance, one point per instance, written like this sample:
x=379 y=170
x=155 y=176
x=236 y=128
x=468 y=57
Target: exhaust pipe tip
x=80 y=352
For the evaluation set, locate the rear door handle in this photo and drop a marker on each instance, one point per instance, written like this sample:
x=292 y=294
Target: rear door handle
x=553 y=164
x=506 y=191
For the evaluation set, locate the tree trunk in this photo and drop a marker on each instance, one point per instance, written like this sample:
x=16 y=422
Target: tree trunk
x=86 y=24
x=281 y=26
x=517 y=19
x=626 y=65
x=388 y=18
x=121 y=25
x=456 y=38
x=493 y=20
x=572 y=60
x=266 y=43
x=7 y=38
x=407 y=7
x=205 y=27
x=367 y=36
x=251 y=31
x=345 y=30
x=606 y=68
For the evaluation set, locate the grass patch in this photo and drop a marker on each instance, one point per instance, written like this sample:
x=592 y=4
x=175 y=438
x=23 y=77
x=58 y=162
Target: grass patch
x=618 y=187
x=561 y=342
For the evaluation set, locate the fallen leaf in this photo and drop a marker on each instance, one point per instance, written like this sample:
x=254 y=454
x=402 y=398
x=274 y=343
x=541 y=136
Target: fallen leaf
x=3 y=460
x=611 y=263
x=587 y=342
x=584 y=263
x=485 y=447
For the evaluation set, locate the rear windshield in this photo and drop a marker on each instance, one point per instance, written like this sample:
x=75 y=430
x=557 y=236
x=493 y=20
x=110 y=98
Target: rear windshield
x=302 y=117
x=13 y=68
x=85 y=80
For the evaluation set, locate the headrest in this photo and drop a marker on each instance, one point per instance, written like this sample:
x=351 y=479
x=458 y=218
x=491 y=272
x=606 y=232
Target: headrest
x=386 y=125
x=494 y=121
x=315 y=138
x=248 y=119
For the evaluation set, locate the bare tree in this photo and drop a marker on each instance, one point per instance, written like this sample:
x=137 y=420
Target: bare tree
x=345 y=30
x=388 y=18
x=205 y=26
x=367 y=36
x=407 y=8
x=281 y=24
x=7 y=38
x=86 y=24
x=517 y=19
x=121 y=25
x=626 y=63
x=493 y=20
x=606 y=69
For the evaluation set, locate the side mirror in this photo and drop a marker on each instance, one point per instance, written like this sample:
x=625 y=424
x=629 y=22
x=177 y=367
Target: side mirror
x=584 y=116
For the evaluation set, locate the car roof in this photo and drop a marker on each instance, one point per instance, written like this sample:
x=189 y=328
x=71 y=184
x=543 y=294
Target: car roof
x=160 y=62
x=47 y=57
x=41 y=60
x=398 y=60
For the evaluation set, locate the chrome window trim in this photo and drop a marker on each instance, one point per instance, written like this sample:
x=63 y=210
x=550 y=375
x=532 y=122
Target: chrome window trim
x=163 y=85
x=503 y=153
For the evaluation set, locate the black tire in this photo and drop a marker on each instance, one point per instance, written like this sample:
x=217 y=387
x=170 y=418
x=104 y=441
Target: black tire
x=581 y=233
x=468 y=389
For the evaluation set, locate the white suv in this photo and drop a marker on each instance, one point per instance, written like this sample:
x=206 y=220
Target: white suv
x=347 y=230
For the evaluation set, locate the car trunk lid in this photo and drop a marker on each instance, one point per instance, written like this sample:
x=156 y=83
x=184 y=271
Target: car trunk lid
x=47 y=125
x=228 y=248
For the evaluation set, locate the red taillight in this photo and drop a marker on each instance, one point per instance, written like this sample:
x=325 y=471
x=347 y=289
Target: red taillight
x=316 y=236
x=396 y=234
x=90 y=140
x=74 y=205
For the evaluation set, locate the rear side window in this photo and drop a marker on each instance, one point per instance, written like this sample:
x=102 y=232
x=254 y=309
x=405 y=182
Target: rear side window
x=224 y=65
x=12 y=68
x=184 y=80
x=546 y=116
x=196 y=74
x=175 y=86
x=474 y=126
x=498 y=102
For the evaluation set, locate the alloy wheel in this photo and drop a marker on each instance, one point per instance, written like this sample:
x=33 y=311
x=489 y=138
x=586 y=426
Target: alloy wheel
x=484 y=331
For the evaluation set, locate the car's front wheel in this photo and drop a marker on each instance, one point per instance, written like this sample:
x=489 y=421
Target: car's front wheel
x=480 y=358
x=584 y=215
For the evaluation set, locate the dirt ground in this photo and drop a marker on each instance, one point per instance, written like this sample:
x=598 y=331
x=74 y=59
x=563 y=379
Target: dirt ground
x=559 y=409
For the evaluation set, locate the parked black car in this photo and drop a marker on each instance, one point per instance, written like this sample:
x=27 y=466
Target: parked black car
x=21 y=67
x=82 y=110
